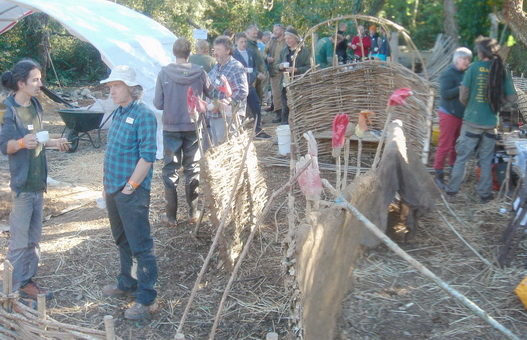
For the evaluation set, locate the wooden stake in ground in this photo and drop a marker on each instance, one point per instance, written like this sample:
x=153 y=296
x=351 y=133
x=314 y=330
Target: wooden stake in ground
x=224 y=215
x=8 y=283
x=245 y=250
x=109 y=327
x=341 y=202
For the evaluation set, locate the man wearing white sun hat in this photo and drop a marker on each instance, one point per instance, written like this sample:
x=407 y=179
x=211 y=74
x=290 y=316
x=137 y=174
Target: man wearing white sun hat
x=130 y=153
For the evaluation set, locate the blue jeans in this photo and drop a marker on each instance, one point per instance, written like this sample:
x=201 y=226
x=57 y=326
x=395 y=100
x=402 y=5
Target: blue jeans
x=128 y=215
x=25 y=232
x=180 y=149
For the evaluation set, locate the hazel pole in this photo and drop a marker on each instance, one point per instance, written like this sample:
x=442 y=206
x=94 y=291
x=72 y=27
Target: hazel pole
x=343 y=203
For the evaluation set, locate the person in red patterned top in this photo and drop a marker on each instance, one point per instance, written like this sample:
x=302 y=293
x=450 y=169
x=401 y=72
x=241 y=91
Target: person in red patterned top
x=360 y=44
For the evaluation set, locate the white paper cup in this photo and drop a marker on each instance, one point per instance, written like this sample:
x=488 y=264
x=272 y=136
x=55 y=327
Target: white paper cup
x=42 y=137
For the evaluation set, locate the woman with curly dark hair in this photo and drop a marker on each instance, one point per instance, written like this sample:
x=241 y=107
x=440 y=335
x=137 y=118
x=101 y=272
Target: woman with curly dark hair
x=486 y=85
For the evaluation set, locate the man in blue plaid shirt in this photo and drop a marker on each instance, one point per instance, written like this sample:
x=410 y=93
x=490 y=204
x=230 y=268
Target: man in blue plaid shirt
x=130 y=153
x=236 y=75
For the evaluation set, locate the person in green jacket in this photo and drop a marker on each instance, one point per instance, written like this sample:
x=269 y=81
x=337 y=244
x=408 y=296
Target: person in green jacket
x=202 y=56
x=324 y=50
x=291 y=65
x=486 y=85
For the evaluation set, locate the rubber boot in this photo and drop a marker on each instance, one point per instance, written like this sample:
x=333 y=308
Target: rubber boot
x=171 y=205
x=191 y=194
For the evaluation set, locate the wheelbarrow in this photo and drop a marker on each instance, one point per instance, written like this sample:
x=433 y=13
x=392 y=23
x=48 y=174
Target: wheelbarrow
x=79 y=123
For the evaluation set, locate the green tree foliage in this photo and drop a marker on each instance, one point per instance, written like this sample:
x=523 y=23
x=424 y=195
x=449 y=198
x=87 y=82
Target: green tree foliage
x=473 y=19
x=423 y=19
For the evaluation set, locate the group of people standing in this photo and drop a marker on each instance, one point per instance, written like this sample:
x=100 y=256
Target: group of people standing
x=471 y=98
x=229 y=83
x=364 y=45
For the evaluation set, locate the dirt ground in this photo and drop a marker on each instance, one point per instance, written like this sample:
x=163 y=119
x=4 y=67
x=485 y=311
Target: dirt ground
x=389 y=300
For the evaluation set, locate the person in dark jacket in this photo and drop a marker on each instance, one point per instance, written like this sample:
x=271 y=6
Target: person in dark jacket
x=248 y=60
x=450 y=111
x=342 y=47
x=23 y=139
x=289 y=65
x=252 y=45
x=180 y=140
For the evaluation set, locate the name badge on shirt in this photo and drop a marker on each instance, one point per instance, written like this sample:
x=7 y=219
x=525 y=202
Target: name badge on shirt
x=30 y=127
x=129 y=120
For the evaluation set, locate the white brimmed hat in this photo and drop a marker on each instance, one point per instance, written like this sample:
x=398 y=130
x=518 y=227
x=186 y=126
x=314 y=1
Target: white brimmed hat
x=123 y=73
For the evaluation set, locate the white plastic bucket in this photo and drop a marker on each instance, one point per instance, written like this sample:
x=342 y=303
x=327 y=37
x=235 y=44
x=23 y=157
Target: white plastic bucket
x=284 y=139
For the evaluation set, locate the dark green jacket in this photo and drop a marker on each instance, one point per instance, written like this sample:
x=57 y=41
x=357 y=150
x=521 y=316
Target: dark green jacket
x=253 y=46
x=302 y=63
x=449 y=82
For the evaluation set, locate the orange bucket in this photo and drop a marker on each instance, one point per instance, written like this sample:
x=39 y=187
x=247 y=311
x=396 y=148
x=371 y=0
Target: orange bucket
x=521 y=291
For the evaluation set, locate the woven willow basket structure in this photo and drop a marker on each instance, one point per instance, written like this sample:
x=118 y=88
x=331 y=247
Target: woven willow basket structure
x=315 y=97
x=521 y=88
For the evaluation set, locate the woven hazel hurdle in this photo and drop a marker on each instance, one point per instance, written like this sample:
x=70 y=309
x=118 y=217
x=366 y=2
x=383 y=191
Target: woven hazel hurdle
x=218 y=171
x=20 y=322
x=315 y=97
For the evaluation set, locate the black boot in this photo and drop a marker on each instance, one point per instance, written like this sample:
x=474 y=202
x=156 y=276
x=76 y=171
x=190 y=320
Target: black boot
x=170 y=207
x=191 y=193
x=439 y=179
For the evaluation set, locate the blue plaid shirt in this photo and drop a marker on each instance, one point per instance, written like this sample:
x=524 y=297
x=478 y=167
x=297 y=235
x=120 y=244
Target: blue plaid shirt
x=236 y=75
x=131 y=136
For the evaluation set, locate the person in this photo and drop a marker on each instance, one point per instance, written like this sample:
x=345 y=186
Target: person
x=450 y=111
x=130 y=153
x=272 y=52
x=485 y=84
x=383 y=44
x=252 y=32
x=247 y=59
x=290 y=64
x=360 y=44
x=266 y=37
x=342 y=47
x=234 y=73
x=324 y=50
x=21 y=125
x=202 y=57
x=180 y=140
x=374 y=39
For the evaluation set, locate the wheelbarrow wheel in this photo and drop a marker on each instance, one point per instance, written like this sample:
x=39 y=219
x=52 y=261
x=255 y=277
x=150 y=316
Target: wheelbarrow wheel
x=73 y=138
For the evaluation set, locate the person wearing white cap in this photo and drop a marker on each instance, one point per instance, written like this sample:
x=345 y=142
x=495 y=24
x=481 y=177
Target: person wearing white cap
x=130 y=153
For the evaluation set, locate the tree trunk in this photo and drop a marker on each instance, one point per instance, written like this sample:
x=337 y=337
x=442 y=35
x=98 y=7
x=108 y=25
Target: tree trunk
x=450 y=23
x=513 y=15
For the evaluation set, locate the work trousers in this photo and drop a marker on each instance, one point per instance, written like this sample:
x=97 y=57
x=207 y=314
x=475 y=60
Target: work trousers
x=482 y=142
x=181 y=149
x=25 y=232
x=128 y=215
